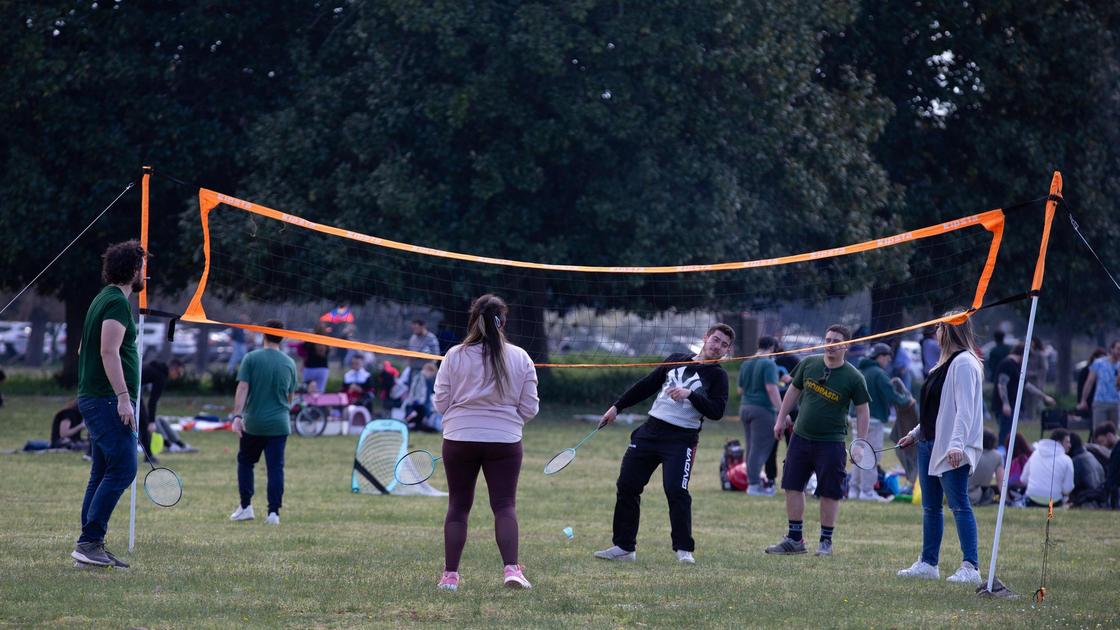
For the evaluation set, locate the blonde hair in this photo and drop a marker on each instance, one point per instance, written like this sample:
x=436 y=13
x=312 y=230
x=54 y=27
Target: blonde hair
x=956 y=337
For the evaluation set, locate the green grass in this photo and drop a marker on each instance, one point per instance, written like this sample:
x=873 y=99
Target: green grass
x=340 y=560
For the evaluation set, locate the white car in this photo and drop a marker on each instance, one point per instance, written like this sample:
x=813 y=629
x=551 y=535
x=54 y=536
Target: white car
x=15 y=335
x=914 y=351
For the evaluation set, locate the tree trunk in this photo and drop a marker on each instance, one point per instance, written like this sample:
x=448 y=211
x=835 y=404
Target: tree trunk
x=1065 y=356
x=77 y=299
x=34 y=355
x=526 y=326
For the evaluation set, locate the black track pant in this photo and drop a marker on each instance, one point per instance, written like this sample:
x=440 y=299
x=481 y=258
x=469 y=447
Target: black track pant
x=674 y=449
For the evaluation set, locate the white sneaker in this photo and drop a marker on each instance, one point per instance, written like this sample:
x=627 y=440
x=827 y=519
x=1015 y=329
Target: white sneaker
x=922 y=571
x=242 y=514
x=685 y=557
x=872 y=496
x=617 y=553
x=273 y=519
x=967 y=574
x=760 y=491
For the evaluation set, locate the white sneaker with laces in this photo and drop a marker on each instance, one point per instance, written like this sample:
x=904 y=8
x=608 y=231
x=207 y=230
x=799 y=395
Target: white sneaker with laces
x=273 y=519
x=921 y=570
x=967 y=574
x=759 y=491
x=242 y=514
x=872 y=496
x=617 y=553
x=685 y=557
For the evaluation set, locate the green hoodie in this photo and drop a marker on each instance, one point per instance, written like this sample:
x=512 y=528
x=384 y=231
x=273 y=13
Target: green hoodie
x=879 y=386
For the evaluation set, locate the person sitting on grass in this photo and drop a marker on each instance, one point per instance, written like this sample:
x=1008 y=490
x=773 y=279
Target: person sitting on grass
x=356 y=381
x=66 y=428
x=1102 y=443
x=1048 y=474
x=983 y=485
x=1019 y=455
x=1088 y=476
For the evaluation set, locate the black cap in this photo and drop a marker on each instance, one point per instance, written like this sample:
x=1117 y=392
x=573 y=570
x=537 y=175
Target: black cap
x=879 y=349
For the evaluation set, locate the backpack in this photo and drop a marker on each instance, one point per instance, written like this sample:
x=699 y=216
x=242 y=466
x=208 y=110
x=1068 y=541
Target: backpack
x=732 y=456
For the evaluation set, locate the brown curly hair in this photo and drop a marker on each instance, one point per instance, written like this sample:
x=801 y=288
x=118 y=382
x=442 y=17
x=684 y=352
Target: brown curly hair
x=120 y=262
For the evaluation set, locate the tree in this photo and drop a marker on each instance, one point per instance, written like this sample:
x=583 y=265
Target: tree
x=991 y=98
x=91 y=92
x=588 y=132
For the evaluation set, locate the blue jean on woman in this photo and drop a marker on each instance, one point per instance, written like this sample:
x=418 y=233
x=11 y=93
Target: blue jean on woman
x=952 y=485
x=113 y=467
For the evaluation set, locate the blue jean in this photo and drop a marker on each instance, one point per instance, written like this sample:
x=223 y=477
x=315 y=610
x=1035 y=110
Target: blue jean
x=318 y=376
x=953 y=485
x=249 y=454
x=1004 y=423
x=113 y=450
x=236 y=353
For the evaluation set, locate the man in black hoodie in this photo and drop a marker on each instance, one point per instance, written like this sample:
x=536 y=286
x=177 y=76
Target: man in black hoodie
x=689 y=388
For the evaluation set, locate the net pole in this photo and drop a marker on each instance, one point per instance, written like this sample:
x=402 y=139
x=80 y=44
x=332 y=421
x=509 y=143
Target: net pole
x=1010 y=441
x=142 y=300
x=1036 y=286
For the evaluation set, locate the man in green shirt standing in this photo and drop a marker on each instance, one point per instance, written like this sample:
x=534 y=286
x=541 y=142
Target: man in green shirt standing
x=266 y=381
x=825 y=384
x=758 y=387
x=108 y=387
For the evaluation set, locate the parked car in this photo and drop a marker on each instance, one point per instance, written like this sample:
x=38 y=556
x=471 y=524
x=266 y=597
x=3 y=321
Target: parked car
x=801 y=340
x=15 y=335
x=665 y=347
x=13 y=338
x=914 y=350
x=595 y=344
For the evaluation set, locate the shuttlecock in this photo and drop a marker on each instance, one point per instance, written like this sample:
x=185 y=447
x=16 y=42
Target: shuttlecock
x=569 y=533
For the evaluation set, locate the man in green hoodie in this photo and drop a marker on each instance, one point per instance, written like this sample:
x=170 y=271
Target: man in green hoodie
x=874 y=368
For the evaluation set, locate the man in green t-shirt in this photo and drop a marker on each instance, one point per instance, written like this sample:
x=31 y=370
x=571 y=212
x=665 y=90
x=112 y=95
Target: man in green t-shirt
x=266 y=381
x=108 y=387
x=825 y=385
x=758 y=387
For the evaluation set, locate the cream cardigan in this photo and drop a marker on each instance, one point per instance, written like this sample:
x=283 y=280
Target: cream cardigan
x=960 y=420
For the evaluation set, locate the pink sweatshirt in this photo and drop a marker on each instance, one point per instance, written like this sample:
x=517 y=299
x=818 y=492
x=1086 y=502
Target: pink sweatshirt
x=468 y=398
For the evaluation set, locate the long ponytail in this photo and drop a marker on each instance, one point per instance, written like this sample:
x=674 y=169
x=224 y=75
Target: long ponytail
x=484 y=327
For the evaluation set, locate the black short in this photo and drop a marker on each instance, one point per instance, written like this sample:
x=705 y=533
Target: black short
x=827 y=459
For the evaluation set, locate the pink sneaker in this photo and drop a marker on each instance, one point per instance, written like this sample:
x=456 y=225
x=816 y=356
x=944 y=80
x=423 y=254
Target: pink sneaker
x=449 y=581
x=515 y=578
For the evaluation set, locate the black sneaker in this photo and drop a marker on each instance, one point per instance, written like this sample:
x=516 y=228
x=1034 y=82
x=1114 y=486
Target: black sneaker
x=117 y=562
x=91 y=553
x=787 y=547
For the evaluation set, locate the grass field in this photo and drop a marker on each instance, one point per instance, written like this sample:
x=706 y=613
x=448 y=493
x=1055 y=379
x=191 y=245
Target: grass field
x=341 y=560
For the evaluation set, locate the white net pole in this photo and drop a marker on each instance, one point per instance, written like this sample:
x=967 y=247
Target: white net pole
x=1011 y=442
x=136 y=414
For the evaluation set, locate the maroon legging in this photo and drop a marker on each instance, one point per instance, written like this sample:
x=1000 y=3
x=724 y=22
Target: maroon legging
x=501 y=465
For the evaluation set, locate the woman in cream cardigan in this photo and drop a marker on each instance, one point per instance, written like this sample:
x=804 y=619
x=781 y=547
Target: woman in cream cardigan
x=950 y=438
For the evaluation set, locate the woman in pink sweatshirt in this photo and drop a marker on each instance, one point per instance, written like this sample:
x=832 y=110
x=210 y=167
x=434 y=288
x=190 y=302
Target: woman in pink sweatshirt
x=486 y=389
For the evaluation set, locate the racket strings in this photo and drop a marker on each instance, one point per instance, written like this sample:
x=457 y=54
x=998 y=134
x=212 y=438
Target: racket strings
x=415 y=467
x=559 y=461
x=163 y=487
